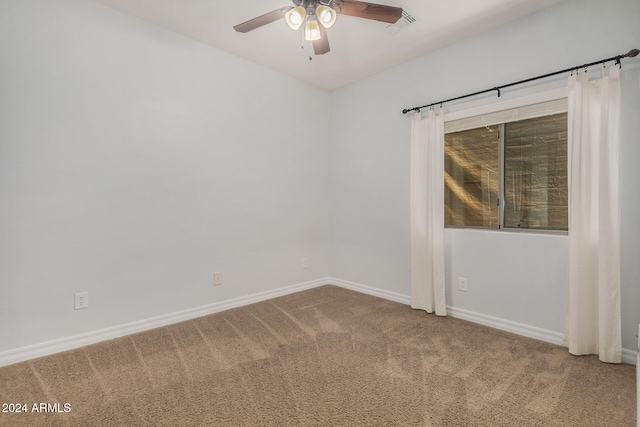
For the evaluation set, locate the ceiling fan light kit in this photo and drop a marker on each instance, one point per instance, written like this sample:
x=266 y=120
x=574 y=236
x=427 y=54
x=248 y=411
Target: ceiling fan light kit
x=318 y=15
x=295 y=17
x=326 y=15
x=312 y=30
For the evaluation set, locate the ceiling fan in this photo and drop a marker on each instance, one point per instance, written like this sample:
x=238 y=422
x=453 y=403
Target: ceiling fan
x=318 y=15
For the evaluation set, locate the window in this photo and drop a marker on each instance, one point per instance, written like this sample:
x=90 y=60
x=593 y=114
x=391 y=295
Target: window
x=471 y=178
x=535 y=173
x=510 y=174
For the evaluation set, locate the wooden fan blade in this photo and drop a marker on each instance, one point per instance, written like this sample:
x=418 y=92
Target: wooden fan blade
x=377 y=12
x=321 y=46
x=261 y=20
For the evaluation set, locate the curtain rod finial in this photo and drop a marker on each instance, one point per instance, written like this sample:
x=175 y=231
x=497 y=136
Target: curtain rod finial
x=632 y=53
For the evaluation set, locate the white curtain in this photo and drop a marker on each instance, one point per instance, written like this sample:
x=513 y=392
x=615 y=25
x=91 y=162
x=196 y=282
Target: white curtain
x=427 y=213
x=592 y=319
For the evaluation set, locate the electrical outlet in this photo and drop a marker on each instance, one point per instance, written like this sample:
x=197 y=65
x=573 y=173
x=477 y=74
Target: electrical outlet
x=462 y=284
x=217 y=278
x=304 y=263
x=81 y=300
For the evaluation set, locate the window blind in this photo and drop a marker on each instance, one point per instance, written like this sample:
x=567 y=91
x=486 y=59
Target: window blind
x=531 y=111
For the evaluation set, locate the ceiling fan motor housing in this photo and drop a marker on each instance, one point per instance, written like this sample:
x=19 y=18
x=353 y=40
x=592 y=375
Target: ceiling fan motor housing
x=310 y=5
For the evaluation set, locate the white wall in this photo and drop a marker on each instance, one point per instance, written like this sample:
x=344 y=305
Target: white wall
x=134 y=163
x=516 y=277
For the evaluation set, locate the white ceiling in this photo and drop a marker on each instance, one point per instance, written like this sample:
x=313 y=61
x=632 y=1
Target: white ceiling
x=359 y=47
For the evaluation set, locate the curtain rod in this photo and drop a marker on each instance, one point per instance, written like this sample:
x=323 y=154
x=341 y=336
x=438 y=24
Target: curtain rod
x=617 y=58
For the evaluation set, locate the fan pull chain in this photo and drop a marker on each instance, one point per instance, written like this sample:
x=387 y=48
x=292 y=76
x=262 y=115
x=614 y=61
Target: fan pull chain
x=302 y=44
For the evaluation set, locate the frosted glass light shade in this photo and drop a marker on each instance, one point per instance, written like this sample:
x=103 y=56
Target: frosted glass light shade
x=295 y=17
x=326 y=15
x=312 y=30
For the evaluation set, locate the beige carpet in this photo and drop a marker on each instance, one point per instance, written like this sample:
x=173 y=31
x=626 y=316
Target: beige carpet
x=327 y=356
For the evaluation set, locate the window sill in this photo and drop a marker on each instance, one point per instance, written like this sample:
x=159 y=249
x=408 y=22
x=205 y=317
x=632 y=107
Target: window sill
x=510 y=230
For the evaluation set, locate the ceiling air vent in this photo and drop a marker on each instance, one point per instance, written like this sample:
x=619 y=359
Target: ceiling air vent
x=407 y=19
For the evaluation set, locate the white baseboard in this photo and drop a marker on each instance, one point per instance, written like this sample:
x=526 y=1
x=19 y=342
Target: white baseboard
x=376 y=292
x=628 y=356
x=506 y=325
x=69 y=343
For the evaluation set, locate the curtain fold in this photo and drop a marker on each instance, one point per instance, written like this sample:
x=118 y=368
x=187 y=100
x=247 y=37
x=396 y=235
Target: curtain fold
x=593 y=315
x=427 y=213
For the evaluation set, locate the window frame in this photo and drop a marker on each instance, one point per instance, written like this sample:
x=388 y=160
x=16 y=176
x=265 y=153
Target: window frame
x=511 y=104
